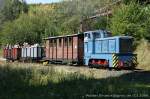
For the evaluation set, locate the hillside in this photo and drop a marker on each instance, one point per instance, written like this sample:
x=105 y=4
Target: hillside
x=42 y=8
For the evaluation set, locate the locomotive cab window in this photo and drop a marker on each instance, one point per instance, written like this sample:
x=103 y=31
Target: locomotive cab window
x=96 y=35
x=87 y=36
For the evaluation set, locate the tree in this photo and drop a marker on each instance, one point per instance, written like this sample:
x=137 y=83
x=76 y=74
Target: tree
x=12 y=9
x=130 y=19
x=27 y=28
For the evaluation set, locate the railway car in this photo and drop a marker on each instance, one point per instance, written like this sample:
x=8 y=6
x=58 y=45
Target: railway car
x=16 y=53
x=23 y=53
x=103 y=50
x=6 y=52
x=68 y=49
x=32 y=53
x=12 y=53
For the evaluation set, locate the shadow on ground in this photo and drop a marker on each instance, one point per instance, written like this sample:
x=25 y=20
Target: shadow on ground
x=23 y=84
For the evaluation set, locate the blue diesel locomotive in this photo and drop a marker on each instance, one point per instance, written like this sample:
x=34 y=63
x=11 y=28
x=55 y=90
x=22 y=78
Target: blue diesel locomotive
x=102 y=49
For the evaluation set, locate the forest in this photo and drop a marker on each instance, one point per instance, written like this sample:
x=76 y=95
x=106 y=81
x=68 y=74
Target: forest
x=21 y=22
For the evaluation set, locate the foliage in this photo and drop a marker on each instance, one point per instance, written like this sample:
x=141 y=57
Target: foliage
x=25 y=29
x=50 y=20
x=9 y=11
x=1 y=52
x=12 y=9
x=132 y=19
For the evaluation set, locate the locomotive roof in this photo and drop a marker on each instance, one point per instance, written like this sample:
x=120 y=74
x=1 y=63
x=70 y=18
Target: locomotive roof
x=53 y=37
x=122 y=36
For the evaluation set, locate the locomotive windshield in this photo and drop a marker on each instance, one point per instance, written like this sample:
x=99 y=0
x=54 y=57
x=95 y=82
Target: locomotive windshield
x=107 y=34
x=87 y=35
x=126 y=45
x=96 y=35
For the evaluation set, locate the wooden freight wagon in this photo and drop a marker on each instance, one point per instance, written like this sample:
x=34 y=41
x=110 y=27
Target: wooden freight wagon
x=16 y=53
x=4 y=53
x=12 y=53
x=7 y=52
x=65 y=49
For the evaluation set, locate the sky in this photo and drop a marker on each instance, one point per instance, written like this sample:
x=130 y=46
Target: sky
x=41 y=1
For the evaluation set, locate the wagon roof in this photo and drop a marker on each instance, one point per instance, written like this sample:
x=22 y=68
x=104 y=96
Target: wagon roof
x=53 y=37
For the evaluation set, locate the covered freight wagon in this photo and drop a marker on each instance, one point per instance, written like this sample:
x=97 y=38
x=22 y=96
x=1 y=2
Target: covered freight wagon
x=65 y=49
x=34 y=52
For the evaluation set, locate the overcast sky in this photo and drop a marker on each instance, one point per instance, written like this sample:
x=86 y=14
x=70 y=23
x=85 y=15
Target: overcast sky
x=42 y=1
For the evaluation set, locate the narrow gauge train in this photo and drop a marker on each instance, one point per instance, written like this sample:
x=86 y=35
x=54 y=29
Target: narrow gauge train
x=92 y=48
x=25 y=53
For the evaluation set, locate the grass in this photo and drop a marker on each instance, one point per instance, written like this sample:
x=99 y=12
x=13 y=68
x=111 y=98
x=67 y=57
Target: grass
x=40 y=83
x=143 y=55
